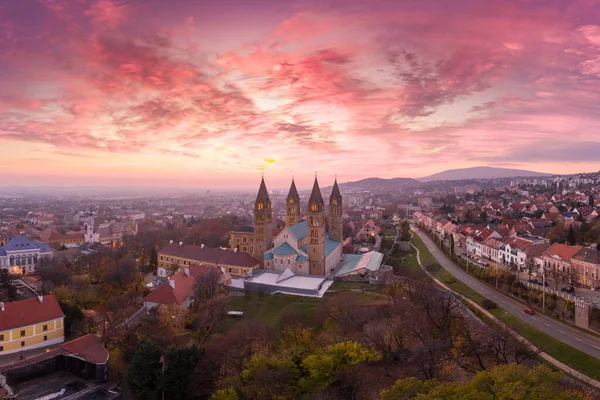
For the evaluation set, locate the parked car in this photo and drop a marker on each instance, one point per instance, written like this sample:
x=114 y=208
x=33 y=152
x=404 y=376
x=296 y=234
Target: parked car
x=534 y=280
x=568 y=289
x=529 y=311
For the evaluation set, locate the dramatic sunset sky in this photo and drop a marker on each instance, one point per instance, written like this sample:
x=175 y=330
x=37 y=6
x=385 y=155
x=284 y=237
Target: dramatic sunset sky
x=209 y=93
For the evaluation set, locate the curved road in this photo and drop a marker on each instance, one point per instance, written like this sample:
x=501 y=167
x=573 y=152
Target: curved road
x=573 y=337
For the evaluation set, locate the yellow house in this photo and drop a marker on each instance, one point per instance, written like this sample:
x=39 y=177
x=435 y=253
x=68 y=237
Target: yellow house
x=30 y=324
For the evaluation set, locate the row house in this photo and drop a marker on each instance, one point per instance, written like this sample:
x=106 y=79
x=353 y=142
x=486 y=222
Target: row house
x=475 y=238
x=586 y=263
x=512 y=252
x=490 y=249
x=558 y=257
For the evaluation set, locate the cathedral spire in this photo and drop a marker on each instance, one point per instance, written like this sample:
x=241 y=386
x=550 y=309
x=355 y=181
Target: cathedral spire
x=263 y=194
x=293 y=193
x=335 y=192
x=315 y=196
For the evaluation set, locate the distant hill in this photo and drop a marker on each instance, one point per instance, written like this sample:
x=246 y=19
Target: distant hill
x=480 y=173
x=377 y=185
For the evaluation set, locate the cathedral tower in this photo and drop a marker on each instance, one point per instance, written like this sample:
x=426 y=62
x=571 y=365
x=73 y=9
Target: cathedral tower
x=335 y=213
x=292 y=206
x=262 y=223
x=316 y=231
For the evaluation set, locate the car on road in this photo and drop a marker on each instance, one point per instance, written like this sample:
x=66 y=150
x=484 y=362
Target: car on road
x=534 y=280
x=568 y=289
x=529 y=311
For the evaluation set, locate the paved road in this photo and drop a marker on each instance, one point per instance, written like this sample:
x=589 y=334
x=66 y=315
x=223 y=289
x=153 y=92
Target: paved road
x=582 y=341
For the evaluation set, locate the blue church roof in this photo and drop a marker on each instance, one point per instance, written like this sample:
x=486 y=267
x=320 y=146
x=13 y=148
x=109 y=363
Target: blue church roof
x=330 y=245
x=299 y=230
x=269 y=256
x=22 y=243
x=285 y=249
x=301 y=258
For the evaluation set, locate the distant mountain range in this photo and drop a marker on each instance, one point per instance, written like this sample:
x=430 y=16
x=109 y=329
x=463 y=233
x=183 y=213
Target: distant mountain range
x=479 y=173
x=377 y=185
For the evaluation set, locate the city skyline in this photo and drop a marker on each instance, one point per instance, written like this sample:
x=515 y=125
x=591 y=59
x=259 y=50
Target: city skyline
x=152 y=93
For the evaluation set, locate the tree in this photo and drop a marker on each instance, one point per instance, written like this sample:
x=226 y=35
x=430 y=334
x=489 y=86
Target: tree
x=571 y=236
x=469 y=216
x=6 y=285
x=153 y=257
x=483 y=217
x=179 y=364
x=451 y=245
x=73 y=317
x=144 y=375
x=530 y=267
x=510 y=381
x=322 y=368
x=591 y=201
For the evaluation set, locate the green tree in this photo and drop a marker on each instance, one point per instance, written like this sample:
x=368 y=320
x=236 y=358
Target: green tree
x=179 y=364
x=502 y=382
x=153 y=257
x=144 y=375
x=571 y=236
x=73 y=316
x=323 y=367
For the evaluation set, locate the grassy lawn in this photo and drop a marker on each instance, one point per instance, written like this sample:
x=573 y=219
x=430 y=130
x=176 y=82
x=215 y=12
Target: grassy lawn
x=364 y=286
x=272 y=310
x=568 y=355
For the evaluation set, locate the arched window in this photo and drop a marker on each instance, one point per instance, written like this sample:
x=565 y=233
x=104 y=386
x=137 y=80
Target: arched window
x=259 y=206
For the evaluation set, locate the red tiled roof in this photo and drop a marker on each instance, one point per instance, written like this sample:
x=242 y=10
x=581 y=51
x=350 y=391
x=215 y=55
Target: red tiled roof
x=518 y=243
x=563 y=251
x=165 y=294
x=88 y=347
x=28 y=312
x=209 y=255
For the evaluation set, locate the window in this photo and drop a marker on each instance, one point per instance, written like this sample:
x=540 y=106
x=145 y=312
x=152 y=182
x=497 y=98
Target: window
x=1 y=337
x=161 y=258
x=23 y=343
x=45 y=337
x=288 y=261
x=22 y=333
x=1 y=348
x=45 y=328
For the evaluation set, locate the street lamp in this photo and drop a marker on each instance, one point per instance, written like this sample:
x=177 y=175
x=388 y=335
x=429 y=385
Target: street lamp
x=543 y=290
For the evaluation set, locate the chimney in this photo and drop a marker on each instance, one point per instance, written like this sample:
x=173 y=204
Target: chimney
x=2 y=306
x=41 y=299
x=180 y=243
x=187 y=271
x=172 y=283
x=202 y=246
x=170 y=242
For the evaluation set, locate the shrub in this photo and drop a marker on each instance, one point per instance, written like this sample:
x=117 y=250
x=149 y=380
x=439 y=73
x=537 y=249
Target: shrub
x=489 y=304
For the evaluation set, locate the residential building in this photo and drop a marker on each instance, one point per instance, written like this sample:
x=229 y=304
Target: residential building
x=22 y=255
x=557 y=258
x=174 y=256
x=369 y=230
x=586 y=263
x=56 y=239
x=182 y=286
x=30 y=324
x=512 y=252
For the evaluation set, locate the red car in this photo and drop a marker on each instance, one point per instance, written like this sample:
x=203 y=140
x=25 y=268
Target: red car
x=529 y=311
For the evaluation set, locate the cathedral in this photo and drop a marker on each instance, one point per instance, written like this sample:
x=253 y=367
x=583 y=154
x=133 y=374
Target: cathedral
x=306 y=247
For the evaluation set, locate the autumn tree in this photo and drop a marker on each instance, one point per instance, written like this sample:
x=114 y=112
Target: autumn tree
x=502 y=382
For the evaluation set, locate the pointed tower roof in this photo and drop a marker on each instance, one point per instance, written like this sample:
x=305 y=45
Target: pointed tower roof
x=293 y=193
x=335 y=192
x=263 y=194
x=315 y=195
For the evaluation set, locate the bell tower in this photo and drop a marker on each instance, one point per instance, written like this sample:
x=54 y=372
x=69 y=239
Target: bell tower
x=335 y=213
x=292 y=206
x=316 y=231
x=262 y=223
